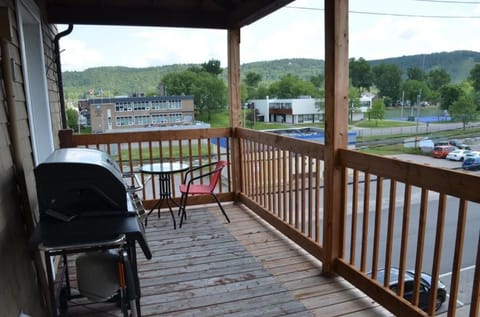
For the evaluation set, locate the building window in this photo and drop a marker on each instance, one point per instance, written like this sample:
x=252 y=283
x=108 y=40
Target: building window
x=176 y=117
x=142 y=120
x=280 y=105
x=175 y=104
x=124 y=121
x=121 y=107
x=159 y=118
x=140 y=106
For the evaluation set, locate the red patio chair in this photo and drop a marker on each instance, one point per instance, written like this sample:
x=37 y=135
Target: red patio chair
x=189 y=188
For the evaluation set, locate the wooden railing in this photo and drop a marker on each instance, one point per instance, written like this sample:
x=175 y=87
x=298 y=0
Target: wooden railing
x=282 y=182
x=131 y=150
x=395 y=213
x=410 y=216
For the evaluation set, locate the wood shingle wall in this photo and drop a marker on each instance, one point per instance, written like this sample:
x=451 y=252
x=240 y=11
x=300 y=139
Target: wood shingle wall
x=20 y=289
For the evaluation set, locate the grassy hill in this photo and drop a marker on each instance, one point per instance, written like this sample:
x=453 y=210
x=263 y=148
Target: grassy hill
x=458 y=63
x=116 y=81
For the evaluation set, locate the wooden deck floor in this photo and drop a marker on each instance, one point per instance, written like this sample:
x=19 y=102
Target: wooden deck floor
x=210 y=268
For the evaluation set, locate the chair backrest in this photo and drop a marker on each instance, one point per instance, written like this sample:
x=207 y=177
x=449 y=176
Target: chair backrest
x=216 y=176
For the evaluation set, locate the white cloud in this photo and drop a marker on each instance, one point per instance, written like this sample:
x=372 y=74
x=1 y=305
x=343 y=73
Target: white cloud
x=180 y=46
x=290 y=32
x=76 y=55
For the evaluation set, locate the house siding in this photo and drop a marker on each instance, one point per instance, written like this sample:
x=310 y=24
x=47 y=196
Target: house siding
x=20 y=289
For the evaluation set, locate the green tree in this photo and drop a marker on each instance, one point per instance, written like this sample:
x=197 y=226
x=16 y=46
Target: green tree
x=463 y=110
x=415 y=91
x=415 y=73
x=437 y=78
x=209 y=92
x=178 y=83
x=210 y=95
x=475 y=77
x=252 y=79
x=449 y=94
x=387 y=78
x=360 y=74
x=261 y=92
x=72 y=118
x=212 y=67
x=318 y=81
x=291 y=86
x=378 y=110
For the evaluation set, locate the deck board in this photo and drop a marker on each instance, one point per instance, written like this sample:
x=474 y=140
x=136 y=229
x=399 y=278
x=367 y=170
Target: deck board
x=245 y=268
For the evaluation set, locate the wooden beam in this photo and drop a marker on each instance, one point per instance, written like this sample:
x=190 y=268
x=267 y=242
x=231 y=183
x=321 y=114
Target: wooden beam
x=234 y=100
x=336 y=125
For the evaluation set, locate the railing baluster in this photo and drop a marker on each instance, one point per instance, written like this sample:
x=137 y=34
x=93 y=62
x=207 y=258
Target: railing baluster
x=390 y=230
x=377 y=225
x=475 y=301
x=422 y=222
x=303 y=191
x=459 y=242
x=366 y=207
x=269 y=178
x=290 y=188
x=310 y=197
x=318 y=194
x=353 y=228
x=404 y=239
x=437 y=254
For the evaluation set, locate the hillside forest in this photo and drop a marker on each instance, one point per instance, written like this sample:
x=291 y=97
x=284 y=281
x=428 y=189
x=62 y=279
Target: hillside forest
x=449 y=80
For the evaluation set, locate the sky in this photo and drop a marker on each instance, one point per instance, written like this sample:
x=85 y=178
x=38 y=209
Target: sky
x=377 y=29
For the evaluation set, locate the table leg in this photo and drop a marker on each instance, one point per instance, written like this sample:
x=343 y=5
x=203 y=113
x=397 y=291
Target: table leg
x=165 y=194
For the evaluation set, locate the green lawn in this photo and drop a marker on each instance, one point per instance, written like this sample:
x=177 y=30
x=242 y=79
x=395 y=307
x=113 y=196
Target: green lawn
x=391 y=150
x=383 y=124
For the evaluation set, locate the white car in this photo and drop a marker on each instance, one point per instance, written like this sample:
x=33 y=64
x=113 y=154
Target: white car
x=471 y=154
x=457 y=155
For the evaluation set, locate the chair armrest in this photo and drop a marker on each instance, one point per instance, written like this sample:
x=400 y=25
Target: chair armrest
x=196 y=168
x=203 y=175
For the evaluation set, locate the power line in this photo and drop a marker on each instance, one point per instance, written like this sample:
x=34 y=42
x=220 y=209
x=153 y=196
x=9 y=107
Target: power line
x=399 y=14
x=451 y=1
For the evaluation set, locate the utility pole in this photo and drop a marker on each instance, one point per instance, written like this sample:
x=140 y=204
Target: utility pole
x=401 y=105
x=418 y=108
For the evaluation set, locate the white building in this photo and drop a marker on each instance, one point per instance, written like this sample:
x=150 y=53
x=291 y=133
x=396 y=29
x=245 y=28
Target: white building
x=291 y=111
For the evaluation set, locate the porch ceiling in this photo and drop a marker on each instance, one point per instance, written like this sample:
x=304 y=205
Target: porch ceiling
x=216 y=14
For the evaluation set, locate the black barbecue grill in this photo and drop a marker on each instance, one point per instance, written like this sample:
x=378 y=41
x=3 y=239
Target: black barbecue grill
x=88 y=208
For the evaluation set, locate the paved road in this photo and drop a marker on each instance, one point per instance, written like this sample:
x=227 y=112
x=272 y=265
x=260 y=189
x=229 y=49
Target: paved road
x=421 y=128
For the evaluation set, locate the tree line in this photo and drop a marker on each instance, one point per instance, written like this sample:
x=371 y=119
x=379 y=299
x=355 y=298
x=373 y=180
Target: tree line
x=461 y=100
x=207 y=84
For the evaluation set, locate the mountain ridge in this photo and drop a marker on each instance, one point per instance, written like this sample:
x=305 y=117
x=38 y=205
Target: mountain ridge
x=121 y=80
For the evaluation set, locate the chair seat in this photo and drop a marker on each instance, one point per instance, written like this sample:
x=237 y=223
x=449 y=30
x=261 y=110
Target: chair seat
x=189 y=188
x=196 y=189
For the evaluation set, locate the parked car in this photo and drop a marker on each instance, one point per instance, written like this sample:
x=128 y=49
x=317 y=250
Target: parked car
x=471 y=163
x=459 y=144
x=409 y=283
x=457 y=155
x=471 y=154
x=441 y=151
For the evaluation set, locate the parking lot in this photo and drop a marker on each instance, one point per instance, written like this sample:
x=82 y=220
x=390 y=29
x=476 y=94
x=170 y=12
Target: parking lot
x=428 y=160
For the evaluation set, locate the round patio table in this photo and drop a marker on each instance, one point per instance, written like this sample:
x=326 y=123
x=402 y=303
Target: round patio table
x=164 y=172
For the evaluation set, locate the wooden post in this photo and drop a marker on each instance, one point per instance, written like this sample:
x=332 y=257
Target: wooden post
x=66 y=138
x=235 y=103
x=336 y=126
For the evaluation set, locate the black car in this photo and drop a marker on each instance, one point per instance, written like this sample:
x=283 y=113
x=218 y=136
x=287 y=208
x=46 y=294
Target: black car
x=409 y=283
